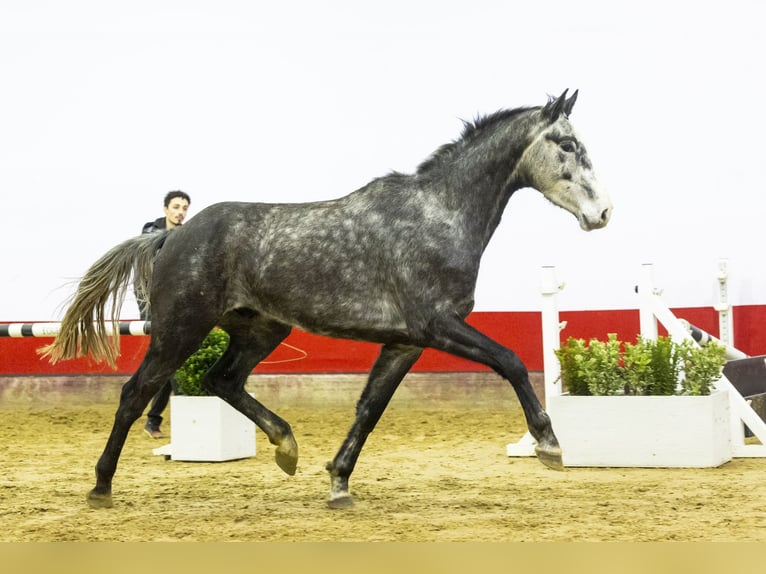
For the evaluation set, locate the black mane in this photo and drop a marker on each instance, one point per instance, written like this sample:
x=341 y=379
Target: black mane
x=471 y=130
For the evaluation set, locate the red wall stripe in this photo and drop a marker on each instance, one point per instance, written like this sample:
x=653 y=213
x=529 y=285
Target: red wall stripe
x=307 y=353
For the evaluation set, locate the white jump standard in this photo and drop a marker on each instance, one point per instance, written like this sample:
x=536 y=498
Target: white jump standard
x=643 y=431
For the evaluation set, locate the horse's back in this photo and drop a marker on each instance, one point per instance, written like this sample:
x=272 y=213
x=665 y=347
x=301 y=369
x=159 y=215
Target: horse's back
x=344 y=267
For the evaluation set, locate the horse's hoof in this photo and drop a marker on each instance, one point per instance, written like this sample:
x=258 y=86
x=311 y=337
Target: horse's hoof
x=286 y=455
x=97 y=500
x=289 y=464
x=339 y=502
x=550 y=457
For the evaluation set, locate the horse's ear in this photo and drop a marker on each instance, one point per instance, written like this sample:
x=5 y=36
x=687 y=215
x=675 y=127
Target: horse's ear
x=554 y=107
x=569 y=104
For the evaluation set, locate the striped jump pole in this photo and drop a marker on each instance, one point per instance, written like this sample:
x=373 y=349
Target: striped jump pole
x=703 y=338
x=137 y=328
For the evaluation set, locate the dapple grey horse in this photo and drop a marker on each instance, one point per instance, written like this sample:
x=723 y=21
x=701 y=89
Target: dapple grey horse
x=394 y=263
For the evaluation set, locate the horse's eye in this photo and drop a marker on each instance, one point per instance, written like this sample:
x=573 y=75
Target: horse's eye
x=568 y=145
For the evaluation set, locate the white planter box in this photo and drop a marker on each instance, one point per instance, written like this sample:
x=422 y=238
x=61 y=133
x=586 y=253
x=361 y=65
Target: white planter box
x=209 y=429
x=652 y=431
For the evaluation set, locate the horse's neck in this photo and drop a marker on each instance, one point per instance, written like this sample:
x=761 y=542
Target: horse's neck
x=479 y=182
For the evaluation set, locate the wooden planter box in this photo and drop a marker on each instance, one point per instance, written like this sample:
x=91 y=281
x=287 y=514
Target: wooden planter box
x=208 y=429
x=651 y=431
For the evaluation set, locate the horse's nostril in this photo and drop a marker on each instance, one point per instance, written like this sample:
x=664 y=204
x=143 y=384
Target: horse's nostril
x=605 y=215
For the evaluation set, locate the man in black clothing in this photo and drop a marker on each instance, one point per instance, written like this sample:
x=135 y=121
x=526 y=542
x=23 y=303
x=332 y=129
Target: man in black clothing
x=176 y=206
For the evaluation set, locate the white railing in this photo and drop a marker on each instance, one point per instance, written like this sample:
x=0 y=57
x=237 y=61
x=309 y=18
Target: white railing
x=651 y=312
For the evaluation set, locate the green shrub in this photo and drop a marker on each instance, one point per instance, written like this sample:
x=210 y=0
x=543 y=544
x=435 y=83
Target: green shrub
x=646 y=367
x=701 y=366
x=602 y=366
x=571 y=357
x=593 y=369
x=189 y=375
x=651 y=367
x=637 y=364
x=665 y=366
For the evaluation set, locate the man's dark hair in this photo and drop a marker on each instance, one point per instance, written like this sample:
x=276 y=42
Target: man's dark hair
x=177 y=193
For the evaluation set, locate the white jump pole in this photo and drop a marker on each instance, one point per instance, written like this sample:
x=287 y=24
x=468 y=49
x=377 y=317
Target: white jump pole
x=740 y=411
x=648 y=321
x=645 y=289
x=551 y=328
x=16 y=330
x=725 y=317
x=549 y=288
x=703 y=338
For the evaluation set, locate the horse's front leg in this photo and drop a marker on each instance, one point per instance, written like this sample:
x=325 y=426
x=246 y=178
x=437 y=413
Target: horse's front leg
x=277 y=430
x=388 y=371
x=251 y=341
x=453 y=335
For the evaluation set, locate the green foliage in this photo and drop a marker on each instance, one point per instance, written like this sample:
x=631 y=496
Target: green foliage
x=573 y=374
x=665 y=366
x=602 y=365
x=638 y=368
x=702 y=366
x=593 y=369
x=189 y=375
x=651 y=367
x=646 y=367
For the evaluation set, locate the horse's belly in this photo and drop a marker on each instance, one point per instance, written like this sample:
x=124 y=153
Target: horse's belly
x=377 y=321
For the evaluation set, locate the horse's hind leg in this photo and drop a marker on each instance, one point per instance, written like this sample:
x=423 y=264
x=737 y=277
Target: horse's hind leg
x=159 y=364
x=390 y=368
x=252 y=339
x=135 y=395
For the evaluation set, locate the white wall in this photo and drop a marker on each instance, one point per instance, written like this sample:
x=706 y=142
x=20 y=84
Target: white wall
x=105 y=106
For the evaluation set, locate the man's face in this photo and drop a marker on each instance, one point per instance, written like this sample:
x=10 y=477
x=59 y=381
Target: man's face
x=175 y=212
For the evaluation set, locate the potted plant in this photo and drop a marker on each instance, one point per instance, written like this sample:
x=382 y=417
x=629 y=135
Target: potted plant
x=189 y=375
x=204 y=427
x=650 y=403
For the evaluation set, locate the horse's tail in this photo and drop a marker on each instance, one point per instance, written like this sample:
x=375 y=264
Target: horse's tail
x=83 y=329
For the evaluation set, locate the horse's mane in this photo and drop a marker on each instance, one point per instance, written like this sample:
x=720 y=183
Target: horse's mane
x=471 y=130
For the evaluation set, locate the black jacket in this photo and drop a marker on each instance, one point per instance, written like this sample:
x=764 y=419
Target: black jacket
x=157 y=225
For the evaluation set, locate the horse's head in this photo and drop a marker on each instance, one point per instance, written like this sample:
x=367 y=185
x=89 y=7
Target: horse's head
x=556 y=163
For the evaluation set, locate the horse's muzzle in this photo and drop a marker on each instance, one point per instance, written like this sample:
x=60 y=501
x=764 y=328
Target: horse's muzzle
x=589 y=223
